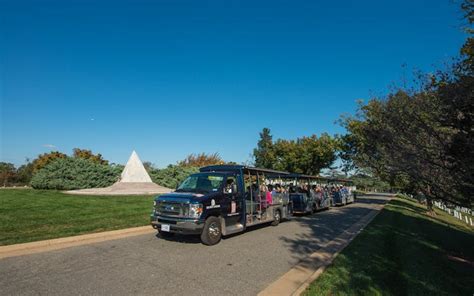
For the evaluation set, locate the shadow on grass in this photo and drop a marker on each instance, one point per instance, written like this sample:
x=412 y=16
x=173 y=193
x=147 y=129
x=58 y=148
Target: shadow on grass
x=402 y=252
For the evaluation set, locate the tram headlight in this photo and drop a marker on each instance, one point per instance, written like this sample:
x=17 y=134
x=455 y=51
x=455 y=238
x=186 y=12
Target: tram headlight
x=195 y=210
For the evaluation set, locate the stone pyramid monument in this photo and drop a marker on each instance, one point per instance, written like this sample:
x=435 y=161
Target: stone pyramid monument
x=134 y=171
x=134 y=180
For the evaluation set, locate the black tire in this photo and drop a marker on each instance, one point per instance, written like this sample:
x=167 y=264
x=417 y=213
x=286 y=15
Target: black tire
x=276 y=218
x=165 y=234
x=212 y=232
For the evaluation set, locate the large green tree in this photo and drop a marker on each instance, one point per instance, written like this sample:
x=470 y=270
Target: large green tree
x=306 y=155
x=421 y=140
x=264 y=153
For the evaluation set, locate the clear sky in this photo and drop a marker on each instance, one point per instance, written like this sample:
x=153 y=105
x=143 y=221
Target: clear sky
x=169 y=78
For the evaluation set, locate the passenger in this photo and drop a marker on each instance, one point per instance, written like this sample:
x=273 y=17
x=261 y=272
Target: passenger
x=254 y=190
x=277 y=188
x=263 y=196
x=269 y=195
x=230 y=186
x=319 y=195
x=304 y=189
x=291 y=189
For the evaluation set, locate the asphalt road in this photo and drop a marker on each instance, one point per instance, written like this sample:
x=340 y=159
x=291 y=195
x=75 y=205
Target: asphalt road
x=242 y=264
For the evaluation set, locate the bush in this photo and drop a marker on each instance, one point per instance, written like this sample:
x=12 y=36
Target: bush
x=74 y=173
x=171 y=176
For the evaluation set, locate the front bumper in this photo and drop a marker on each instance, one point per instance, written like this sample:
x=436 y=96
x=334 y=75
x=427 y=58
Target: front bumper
x=183 y=226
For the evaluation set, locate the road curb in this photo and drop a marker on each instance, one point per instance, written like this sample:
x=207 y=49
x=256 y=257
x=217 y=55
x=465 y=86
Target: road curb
x=297 y=279
x=71 y=241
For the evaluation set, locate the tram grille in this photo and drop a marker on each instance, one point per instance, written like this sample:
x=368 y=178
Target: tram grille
x=173 y=209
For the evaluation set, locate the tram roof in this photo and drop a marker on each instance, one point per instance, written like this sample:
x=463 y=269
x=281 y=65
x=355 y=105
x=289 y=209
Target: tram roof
x=270 y=173
x=232 y=168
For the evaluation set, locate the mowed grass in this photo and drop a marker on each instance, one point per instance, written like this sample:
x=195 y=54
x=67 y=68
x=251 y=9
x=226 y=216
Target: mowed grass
x=403 y=251
x=28 y=215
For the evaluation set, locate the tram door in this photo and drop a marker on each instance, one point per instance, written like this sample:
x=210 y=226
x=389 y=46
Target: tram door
x=234 y=200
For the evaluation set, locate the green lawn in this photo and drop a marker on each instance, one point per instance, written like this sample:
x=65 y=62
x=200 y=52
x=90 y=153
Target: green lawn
x=30 y=215
x=403 y=251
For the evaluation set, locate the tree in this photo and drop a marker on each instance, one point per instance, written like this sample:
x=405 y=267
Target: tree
x=306 y=155
x=421 y=140
x=201 y=160
x=43 y=159
x=317 y=153
x=172 y=175
x=87 y=154
x=365 y=182
x=148 y=165
x=7 y=173
x=24 y=173
x=264 y=154
x=286 y=153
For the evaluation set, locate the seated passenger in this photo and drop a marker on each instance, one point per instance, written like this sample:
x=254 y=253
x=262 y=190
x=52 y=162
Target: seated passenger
x=230 y=186
x=291 y=189
x=269 y=198
x=278 y=188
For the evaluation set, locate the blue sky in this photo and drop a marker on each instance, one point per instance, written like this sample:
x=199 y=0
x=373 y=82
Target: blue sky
x=169 y=78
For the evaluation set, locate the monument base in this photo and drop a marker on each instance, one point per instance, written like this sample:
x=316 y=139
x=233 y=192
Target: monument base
x=123 y=188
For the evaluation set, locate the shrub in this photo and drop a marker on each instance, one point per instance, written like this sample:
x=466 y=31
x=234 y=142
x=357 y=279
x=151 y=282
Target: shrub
x=74 y=173
x=172 y=175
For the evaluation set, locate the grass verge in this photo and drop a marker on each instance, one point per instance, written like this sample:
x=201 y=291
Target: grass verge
x=30 y=215
x=403 y=251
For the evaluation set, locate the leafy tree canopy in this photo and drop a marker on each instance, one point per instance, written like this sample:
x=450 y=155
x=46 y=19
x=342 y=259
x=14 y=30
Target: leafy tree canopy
x=201 y=160
x=87 y=154
x=172 y=175
x=7 y=173
x=421 y=140
x=264 y=153
x=307 y=155
x=43 y=159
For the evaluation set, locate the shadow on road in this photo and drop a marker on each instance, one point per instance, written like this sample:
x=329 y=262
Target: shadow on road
x=326 y=226
x=185 y=239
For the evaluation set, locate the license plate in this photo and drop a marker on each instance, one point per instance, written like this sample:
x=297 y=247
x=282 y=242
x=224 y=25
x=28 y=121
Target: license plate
x=165 y=227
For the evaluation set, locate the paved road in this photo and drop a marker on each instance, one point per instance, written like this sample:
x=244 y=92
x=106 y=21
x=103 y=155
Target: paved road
x=242 y=264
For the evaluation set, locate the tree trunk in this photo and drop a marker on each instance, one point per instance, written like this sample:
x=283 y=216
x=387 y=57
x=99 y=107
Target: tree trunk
x=429 y=202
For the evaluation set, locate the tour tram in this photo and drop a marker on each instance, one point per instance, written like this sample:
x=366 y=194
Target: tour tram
x=222 y=200
x=341 y=191
x=307 y=193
